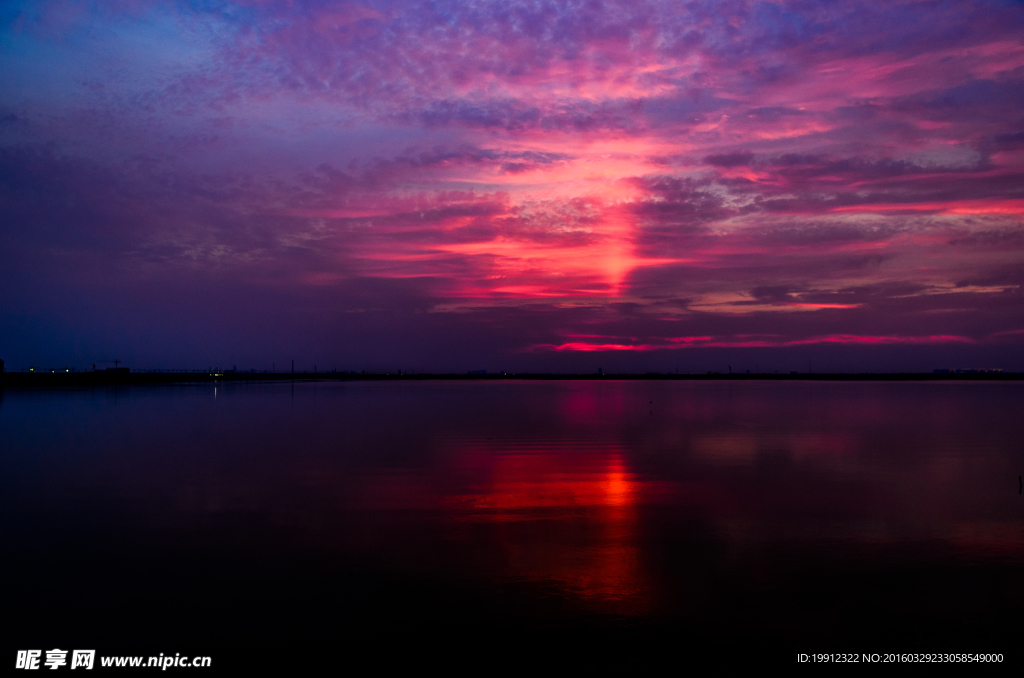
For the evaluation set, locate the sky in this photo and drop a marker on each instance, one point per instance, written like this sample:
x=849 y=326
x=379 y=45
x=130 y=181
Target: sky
x=523 y=186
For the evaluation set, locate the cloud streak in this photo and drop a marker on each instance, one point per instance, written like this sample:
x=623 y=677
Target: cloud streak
x=723 y=342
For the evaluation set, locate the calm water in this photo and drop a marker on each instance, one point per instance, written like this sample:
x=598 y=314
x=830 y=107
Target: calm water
x=598 y=520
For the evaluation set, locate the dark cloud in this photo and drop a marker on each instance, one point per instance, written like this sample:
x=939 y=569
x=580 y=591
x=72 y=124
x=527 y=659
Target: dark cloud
x=771 y=294
x=729 y=159
x=817 y=234
x=1003 y=239
x=970 y=102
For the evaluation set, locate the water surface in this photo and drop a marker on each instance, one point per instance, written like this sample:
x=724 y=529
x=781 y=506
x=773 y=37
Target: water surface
x=303 y=522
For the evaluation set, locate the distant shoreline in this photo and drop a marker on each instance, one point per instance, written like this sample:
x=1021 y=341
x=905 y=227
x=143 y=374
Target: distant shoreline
x=104 y=378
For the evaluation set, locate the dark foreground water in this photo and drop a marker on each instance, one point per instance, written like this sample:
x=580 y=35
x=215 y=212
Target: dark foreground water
x=484 y=524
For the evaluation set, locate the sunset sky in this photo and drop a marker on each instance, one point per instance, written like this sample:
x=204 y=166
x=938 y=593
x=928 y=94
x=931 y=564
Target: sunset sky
x=501 y=185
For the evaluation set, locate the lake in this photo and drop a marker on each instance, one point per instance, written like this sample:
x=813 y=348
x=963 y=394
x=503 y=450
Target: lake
x=582 y=522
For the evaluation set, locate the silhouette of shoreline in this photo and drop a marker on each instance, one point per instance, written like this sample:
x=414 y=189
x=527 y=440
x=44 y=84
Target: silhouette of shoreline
x=125 y=377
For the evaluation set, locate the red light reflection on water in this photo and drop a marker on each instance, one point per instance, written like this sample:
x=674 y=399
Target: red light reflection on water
x=565 y=518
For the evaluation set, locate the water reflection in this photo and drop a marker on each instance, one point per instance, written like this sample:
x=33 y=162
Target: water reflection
x=594 y=555
x=698 y=503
